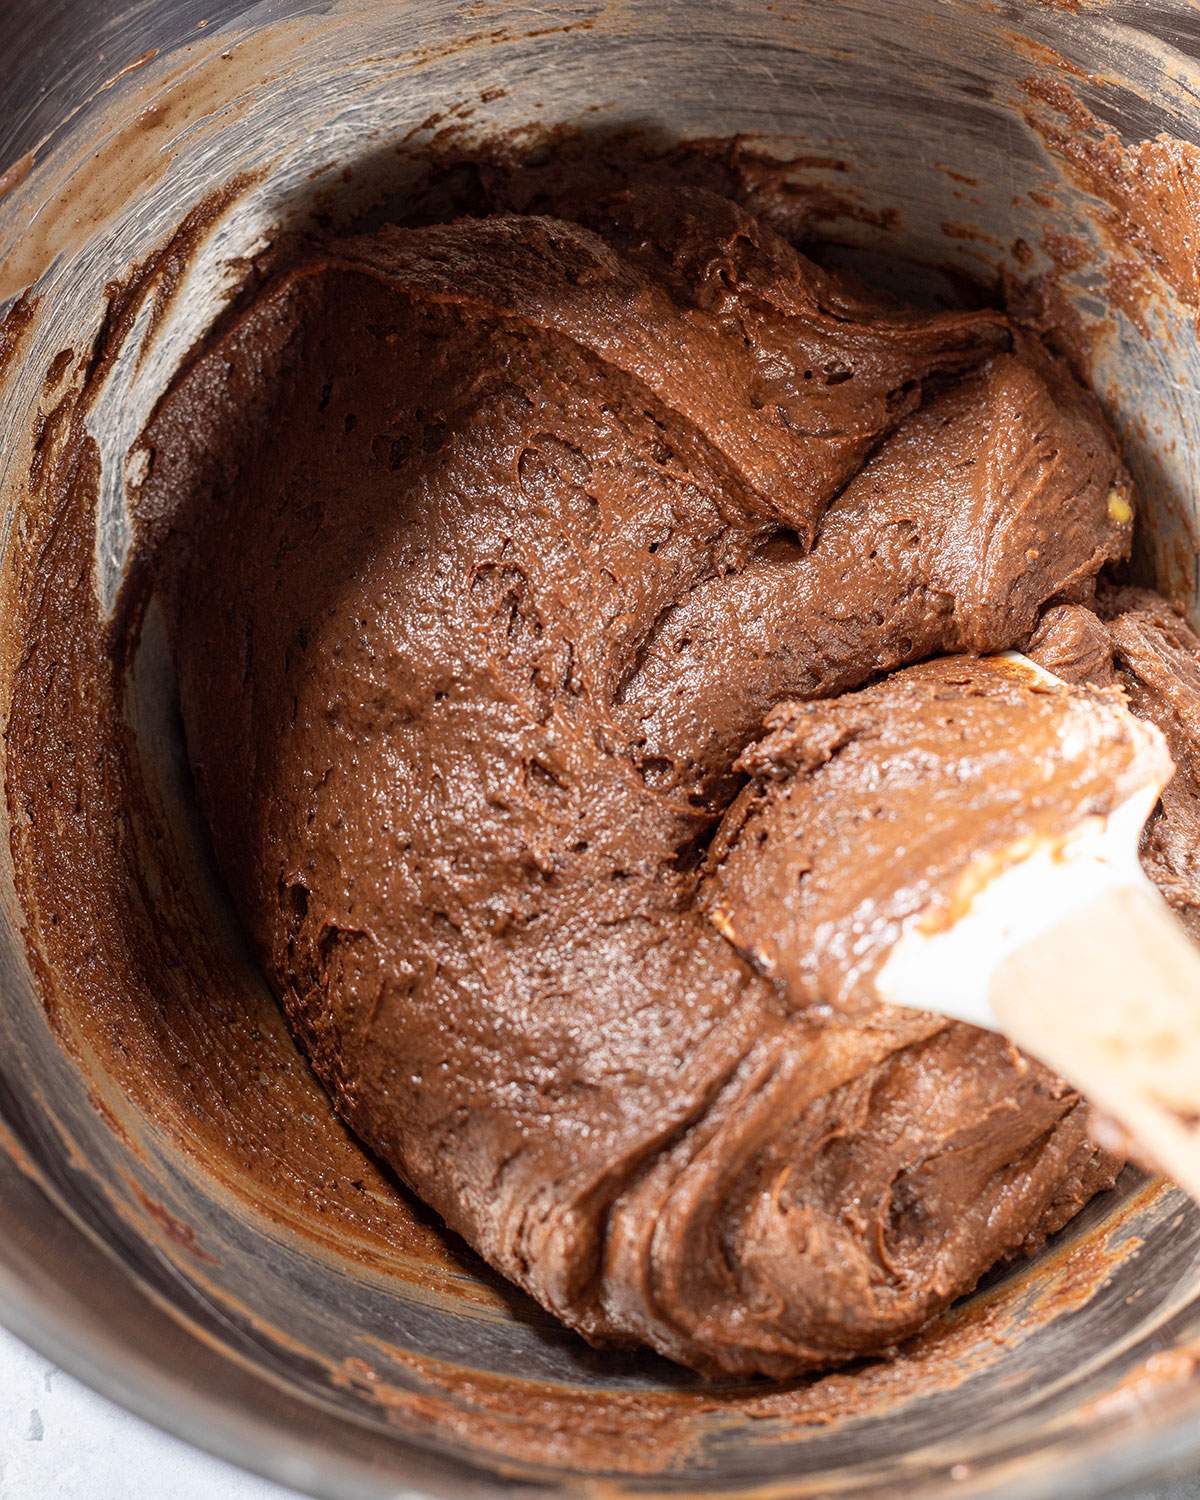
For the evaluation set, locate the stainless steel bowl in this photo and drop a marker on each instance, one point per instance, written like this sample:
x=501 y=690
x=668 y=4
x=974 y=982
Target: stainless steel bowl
x=171 y=1280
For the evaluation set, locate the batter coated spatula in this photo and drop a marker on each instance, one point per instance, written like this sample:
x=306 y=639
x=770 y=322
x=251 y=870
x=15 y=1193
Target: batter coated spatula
x=962 y=838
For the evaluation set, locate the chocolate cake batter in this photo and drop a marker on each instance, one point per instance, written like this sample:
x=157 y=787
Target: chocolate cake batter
x=489 y=545
x=868 y=811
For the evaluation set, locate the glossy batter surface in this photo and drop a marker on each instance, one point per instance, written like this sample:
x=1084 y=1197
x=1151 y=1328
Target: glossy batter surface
x=493 y=542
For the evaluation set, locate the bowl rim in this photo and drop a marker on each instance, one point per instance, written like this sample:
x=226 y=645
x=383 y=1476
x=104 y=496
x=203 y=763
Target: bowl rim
x=50 y=1267
x=66 y=1295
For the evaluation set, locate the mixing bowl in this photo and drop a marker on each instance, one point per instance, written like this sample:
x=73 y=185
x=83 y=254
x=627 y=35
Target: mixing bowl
x=182 y=1222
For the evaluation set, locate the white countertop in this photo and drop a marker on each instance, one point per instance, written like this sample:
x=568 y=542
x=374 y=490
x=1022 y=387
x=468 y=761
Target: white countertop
x=60 y=1441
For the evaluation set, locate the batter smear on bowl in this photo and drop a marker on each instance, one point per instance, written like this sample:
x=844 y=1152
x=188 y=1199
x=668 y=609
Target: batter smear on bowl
x=492 y=544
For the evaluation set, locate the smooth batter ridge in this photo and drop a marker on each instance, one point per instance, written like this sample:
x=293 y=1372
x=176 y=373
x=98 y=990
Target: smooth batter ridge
x=486 y=546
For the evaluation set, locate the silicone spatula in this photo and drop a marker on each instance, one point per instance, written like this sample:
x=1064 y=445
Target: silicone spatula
x=1032 y=917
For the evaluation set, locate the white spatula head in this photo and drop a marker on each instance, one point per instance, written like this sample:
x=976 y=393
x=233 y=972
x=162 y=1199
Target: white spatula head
x=896 y=843
x=1007 y=898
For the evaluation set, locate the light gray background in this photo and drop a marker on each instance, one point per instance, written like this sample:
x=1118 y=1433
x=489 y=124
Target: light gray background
x=60 y=1441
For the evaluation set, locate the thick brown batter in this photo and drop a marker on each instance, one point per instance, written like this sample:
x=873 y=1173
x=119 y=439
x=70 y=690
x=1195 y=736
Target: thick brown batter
x=499 y=538
x=870 y=811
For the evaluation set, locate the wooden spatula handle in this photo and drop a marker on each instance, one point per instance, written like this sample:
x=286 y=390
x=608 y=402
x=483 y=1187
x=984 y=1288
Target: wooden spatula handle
x=1110 y=999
